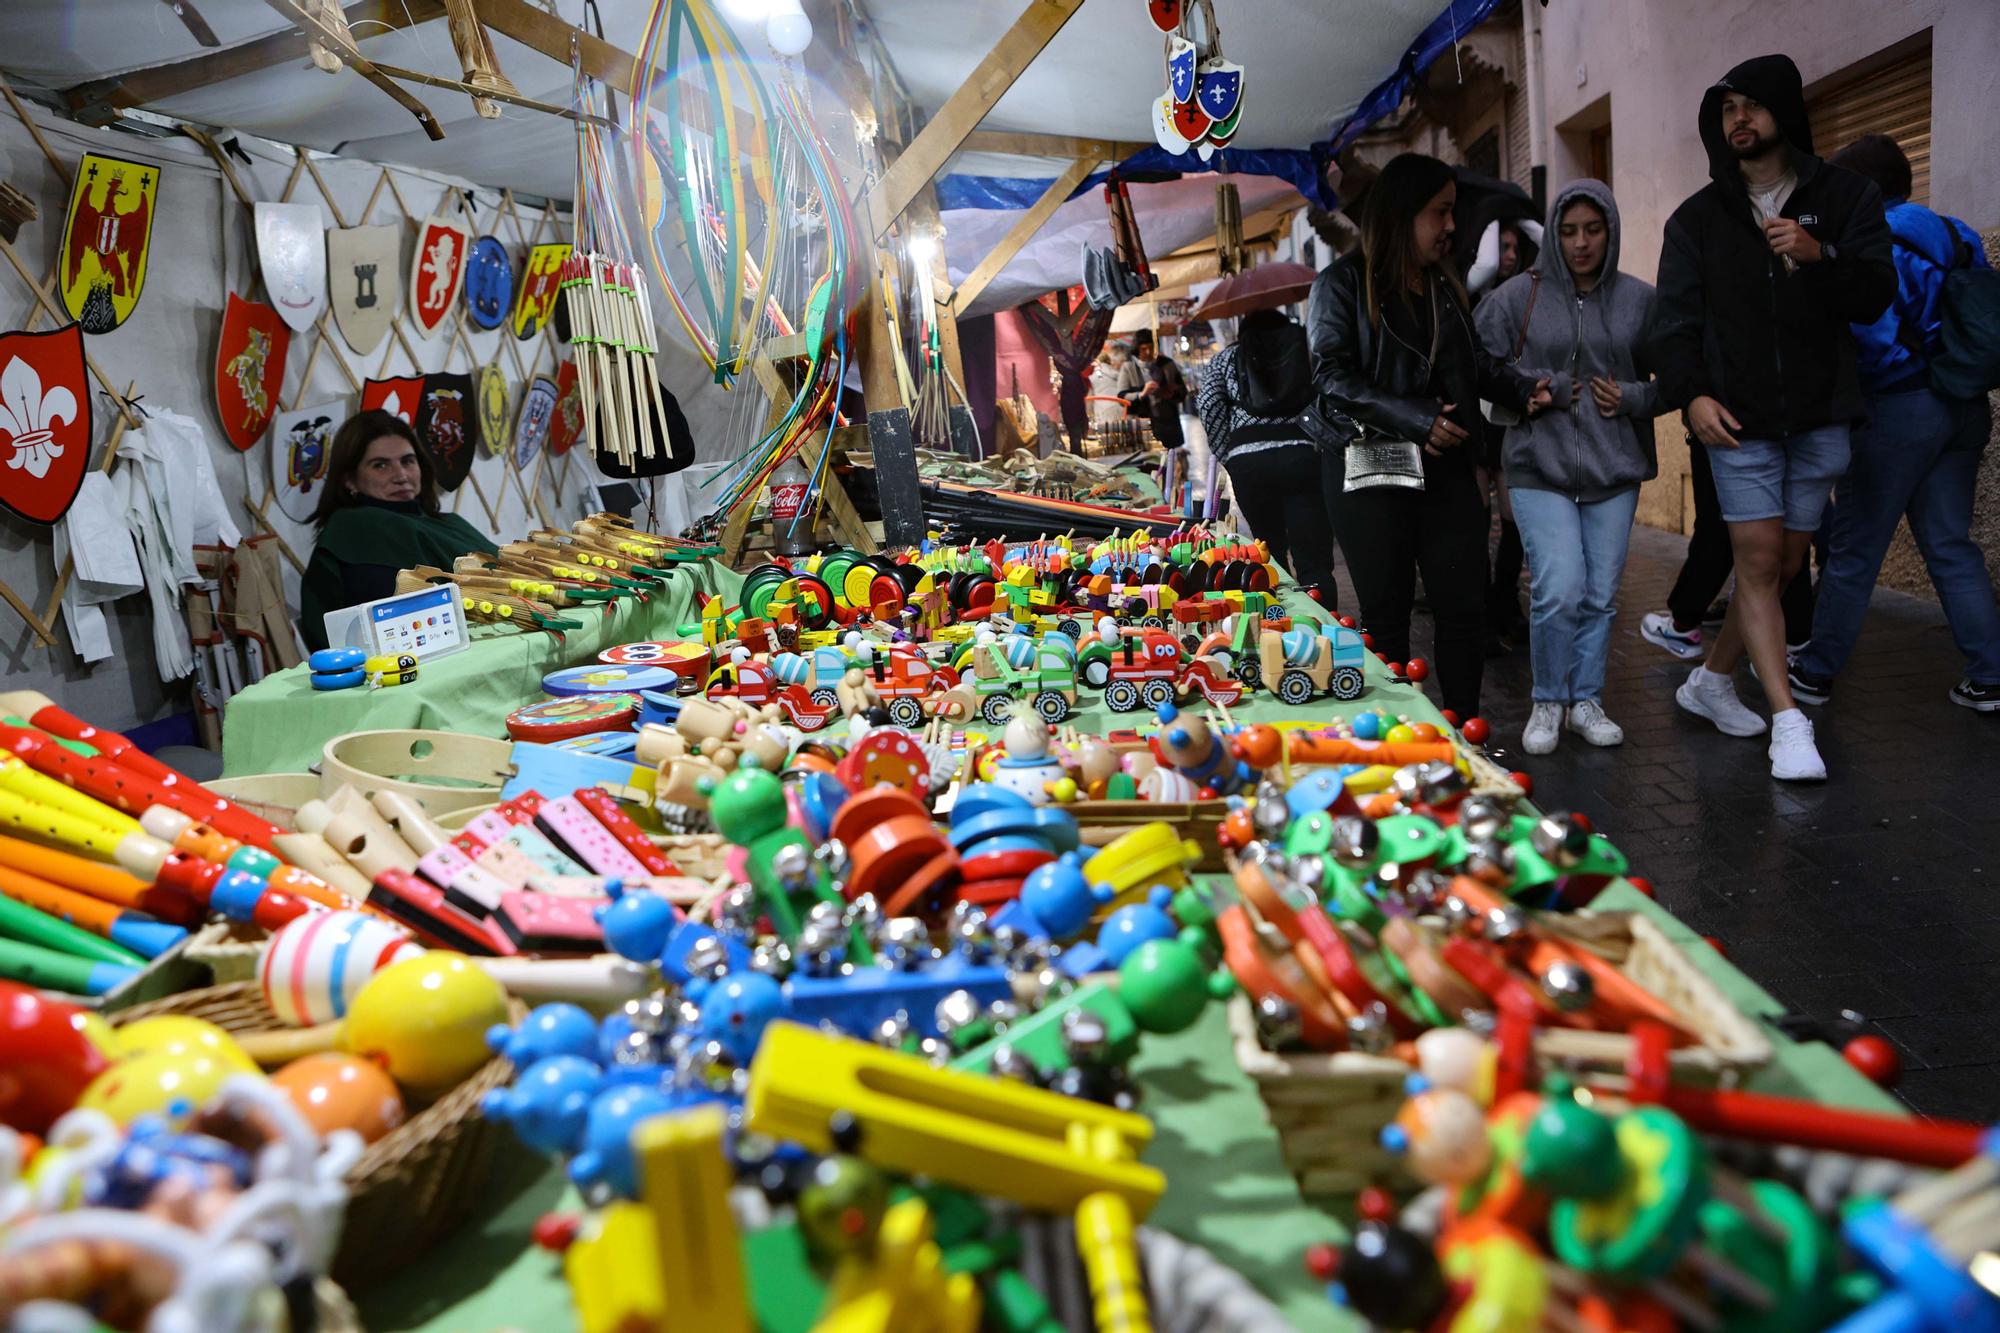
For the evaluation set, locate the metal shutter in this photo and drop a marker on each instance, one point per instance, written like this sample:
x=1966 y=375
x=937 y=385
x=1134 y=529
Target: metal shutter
x=1894 y=99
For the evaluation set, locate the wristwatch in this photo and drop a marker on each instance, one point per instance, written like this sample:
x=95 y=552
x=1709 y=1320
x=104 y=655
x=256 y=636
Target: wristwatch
x=1828 y=250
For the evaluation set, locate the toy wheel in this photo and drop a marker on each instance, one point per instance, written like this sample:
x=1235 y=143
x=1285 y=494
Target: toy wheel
x=1274 y=612
x=1121 y=696
x=1295 y=687
x=1251 y=672
x=1096 y=673
x=825 y=698
x=1152 y=622
x=1068 y=625
x=996 y=709
x=1190 y=641
x=906 y=713
x=1052 y=706
x=1346 y=683
x=1157 y=692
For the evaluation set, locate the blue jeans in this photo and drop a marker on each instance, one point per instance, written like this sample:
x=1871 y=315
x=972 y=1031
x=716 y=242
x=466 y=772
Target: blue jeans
x=1576 y=555
x=1917 y=454
x=1788 y=477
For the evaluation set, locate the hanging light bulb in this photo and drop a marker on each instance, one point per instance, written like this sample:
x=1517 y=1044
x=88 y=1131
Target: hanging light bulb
x=787 y=28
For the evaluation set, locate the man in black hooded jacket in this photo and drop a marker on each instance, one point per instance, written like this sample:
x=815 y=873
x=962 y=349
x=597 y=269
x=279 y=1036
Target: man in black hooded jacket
x=1761 y=272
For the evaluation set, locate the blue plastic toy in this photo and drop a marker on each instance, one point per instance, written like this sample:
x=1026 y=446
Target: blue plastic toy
x=549 y=1103
x=548 y=1030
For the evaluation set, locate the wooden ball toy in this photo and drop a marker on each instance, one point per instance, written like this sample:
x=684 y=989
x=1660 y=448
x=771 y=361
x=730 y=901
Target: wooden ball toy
x=424 y=1019
x=48 y=1057
x=1876 y=1058
x=335 y=1091
x=175 y=1034
x=1443 y=1133
x=314 y=967
x=156 y=1081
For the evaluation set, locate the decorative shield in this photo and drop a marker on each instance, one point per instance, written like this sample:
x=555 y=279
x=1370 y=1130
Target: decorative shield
x=1190 y=121
x=1165 y=132
x=535 y=302
x=448 y=421
x=1166 y=14
x=436 y=271
x=1219 y=87
x=44 y=421
x=105 y=238
x=364 y=266
x=496 y=423
x=291 y=250
x=489 y=283
x=567 y=426
x=531 y=427
x=1223 y=131
x=300 y=444
x=1181 y=62
x=398 y=397
x=249 y=369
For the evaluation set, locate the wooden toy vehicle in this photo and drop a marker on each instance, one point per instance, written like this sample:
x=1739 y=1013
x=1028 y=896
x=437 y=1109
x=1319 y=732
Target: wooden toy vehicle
x=907 y=682
x=1144 y=667
x=1300 y=663
x=1196 y=617
x=1203 y=676
x=1017 y=668
x=756 y=684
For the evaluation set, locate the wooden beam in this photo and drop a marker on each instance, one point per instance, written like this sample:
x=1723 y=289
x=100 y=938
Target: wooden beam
x=964 y=109
x=1020 y=233
x=923 y=217
x=338 y=42
x=141 y=87
x=538 y=29
x=1048 y=145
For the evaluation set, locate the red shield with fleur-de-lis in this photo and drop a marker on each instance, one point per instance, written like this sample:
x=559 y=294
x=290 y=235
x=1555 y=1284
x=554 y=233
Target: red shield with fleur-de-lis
x=44 y=422
x=399 y=396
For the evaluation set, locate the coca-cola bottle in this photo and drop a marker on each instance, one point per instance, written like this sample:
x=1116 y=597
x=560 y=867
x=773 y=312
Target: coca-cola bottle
x=791 y=528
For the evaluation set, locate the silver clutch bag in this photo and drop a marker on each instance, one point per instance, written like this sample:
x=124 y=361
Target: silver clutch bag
x=1374 y=462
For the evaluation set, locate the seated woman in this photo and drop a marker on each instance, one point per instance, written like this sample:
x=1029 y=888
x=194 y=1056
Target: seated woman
x=378 y=515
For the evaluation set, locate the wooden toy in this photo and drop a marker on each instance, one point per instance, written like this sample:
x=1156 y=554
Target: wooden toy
x=425 y=1019
x=312 y=968
x=49 y=1058
x=334 y=1091
x=1300 y=663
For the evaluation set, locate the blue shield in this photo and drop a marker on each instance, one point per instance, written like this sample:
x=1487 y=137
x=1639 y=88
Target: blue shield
x=1180 y=68
x=1220 y=88
x=489 y=283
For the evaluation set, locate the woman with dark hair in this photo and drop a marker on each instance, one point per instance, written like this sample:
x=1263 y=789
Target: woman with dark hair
x=1400 y=375
x=1916 y=453
x=377 y=515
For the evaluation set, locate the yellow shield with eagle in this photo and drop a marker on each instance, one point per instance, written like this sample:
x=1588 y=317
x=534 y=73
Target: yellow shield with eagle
x=106 y=235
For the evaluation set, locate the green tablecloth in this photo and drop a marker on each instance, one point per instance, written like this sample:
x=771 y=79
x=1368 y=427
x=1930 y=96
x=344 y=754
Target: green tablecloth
x=280 y=724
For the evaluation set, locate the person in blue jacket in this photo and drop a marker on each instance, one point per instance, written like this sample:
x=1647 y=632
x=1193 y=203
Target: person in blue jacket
x=1917 y=453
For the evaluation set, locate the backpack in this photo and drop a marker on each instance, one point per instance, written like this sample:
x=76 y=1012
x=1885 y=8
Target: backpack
x=1276 y=372
x=1966 y=363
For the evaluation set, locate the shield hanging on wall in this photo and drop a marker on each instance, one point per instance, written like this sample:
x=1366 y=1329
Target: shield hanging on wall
x=496 y=420
x=397 y=396
x=1166 y=14
x=249 y=369
x=535 y=301
x=1181 y=62
x=300 y=444
x=44 y=422
x=489 y=283
x=1219 y=87
x=448 y=423
x=364 y=279
x=567 y=426
x=531 y=427
x=436 y=271
x=106 y=236
x=1164 y=132
x=291 y=252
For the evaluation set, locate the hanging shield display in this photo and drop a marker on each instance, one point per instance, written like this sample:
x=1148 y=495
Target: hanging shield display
x=1219 y=87
x=249 y=369
x=448 y=422
x=291 y=251
x=567 y=427
x=496 y=423
x=106 y=235
x=1166 y=14
x=364 y=278
x=1190 y=121
x=300 y=444
x=1181 y=62
x=1223 y=131
x=1164 y=131
x=436 y=271
x=398 y=397
x=535 y=302
x=44 y=421
x=489 y=283
x=531 y=427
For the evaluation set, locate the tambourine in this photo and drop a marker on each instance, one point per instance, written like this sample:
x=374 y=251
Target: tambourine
x=683 y=659
x=608 y=679
x=568 y=716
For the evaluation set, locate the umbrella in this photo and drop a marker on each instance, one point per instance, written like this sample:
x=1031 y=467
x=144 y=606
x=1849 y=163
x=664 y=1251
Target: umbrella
x=1265 y=287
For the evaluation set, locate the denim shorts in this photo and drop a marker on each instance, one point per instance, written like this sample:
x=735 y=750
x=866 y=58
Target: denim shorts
x=1789 y=477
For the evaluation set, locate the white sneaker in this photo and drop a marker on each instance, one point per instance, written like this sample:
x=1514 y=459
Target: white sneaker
x=1657 y=627
x=1794 y=757
x=1587 y=720
x=1708 y=695
x=1544 y=728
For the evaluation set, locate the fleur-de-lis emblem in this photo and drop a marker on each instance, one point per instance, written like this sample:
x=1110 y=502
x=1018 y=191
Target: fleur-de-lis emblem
x=28 y=415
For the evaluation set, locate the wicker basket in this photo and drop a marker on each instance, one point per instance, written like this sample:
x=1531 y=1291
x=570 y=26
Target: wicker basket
x=1329 y=1109
x=1102 y=822
x=415 y=1185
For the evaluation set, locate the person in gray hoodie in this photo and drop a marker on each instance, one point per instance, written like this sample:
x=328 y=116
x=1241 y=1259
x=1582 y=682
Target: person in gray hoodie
x=1575 y=470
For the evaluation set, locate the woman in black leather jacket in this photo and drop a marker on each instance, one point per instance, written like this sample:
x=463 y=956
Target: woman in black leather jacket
x=1400 y=372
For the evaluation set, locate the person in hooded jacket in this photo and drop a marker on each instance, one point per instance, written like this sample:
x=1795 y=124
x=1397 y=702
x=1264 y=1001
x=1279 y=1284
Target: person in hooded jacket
x=1574 y=471
x=1761 y=272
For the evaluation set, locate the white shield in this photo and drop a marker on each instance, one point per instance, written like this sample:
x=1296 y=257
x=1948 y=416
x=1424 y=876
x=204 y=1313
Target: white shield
x=300 y=443
x=436 y=271
x=291 y=250
x=364 y=270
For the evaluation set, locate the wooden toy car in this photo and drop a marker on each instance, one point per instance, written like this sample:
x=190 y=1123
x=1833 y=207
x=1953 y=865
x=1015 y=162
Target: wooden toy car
x=1300 y=663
